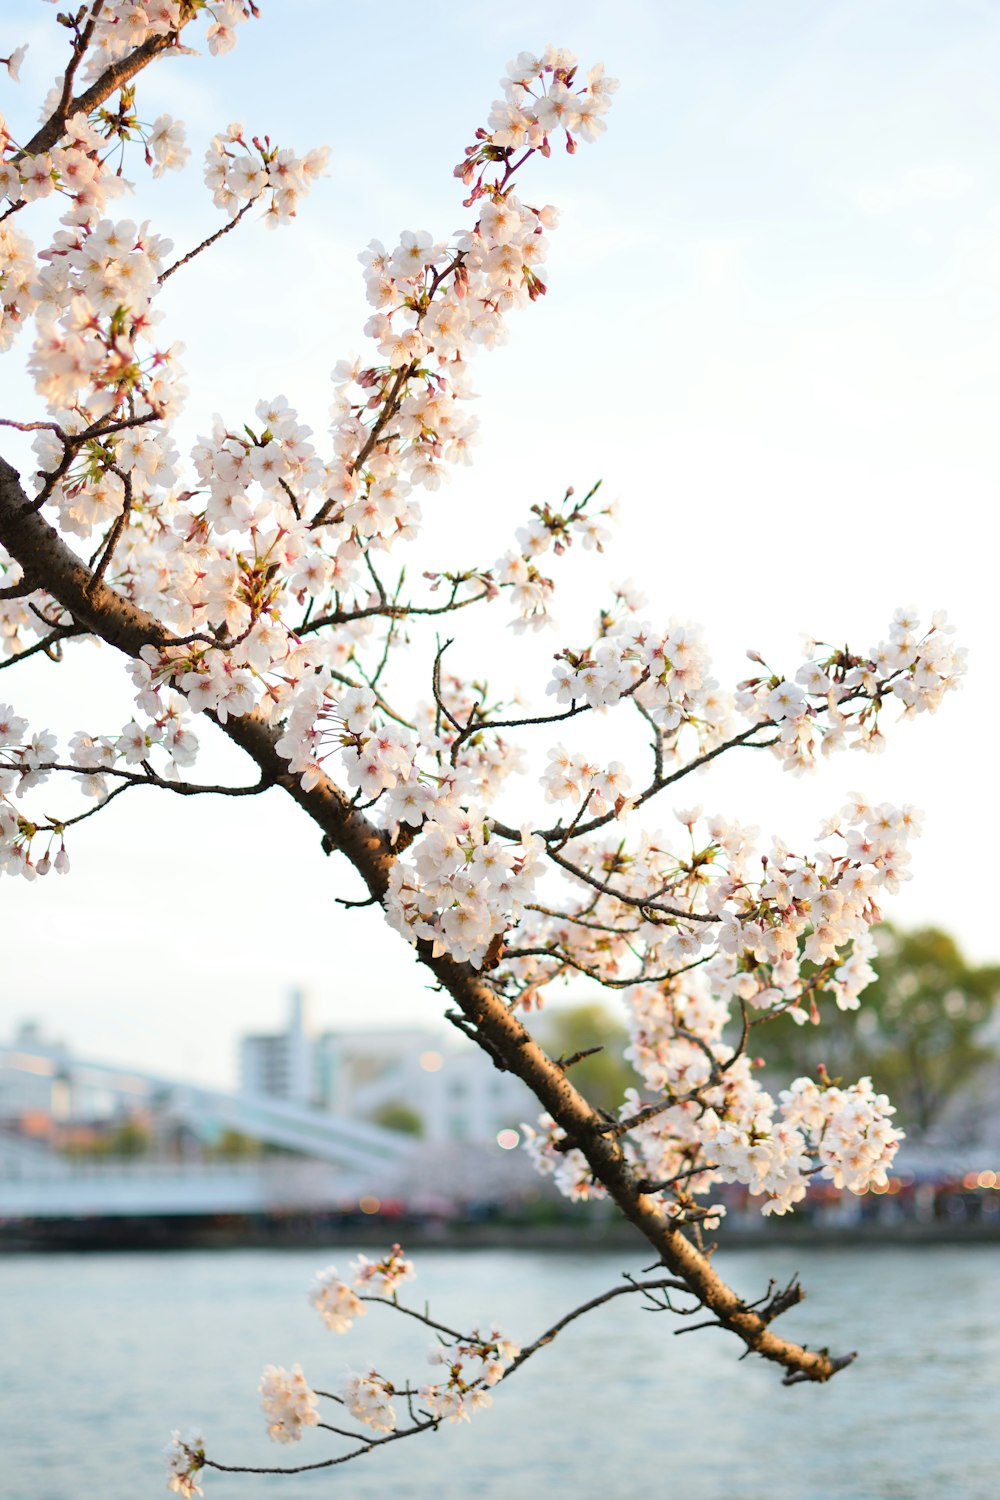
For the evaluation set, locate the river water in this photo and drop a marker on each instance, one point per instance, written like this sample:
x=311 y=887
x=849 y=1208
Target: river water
x=100 y=1356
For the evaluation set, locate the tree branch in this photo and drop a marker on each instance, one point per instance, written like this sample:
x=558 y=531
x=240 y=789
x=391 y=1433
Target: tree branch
x=113 y=77
x=46 y=644
x=226 y=229
x=148 y=777
x=80 y=46
x=103 y=612
x=662 y=1283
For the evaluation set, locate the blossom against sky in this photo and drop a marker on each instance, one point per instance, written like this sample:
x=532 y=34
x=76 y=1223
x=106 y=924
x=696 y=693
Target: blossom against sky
x=771 y=329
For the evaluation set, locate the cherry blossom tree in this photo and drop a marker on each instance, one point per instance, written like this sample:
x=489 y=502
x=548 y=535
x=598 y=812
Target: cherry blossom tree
x=257 y=590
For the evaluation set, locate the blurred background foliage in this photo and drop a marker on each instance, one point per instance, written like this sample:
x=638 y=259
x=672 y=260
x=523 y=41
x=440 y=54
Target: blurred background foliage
x=604 y=1077
x=927 y=1028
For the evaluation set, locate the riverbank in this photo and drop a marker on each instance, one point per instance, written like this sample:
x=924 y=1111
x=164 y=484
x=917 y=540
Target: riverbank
x=308 y=1231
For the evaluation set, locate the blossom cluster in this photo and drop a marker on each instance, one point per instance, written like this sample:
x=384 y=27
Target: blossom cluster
x=368 y=1398
x=462 y=888
x=776 y=940
x=384 y=1277
x=472 y=1364
x=74 y=169
x=833 y=700
x=568 y=1168
x=239 y=172
x=22 y=764
x=528 y=114
x=668 y=671
x=850 y=1128
x=28 y=761
x=338 y=1302
x=17 y=273
x=836 y=697
x=93 y=310
x=571 y=777
x=552 y=529
x=185 y=1461
x=750 y=918
x=289 y=1403
x=412 y=774
x=281 y=528
x=135 y=746
x=327 y=718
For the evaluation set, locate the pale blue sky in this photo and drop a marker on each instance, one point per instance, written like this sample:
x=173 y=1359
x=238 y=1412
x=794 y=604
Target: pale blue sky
x=772 y=329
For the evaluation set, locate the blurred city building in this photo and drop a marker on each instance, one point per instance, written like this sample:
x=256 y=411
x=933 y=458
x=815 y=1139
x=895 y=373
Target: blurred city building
x=340 y=1122
x=335 y=1127
x=414 y=1081
x=282 y=1065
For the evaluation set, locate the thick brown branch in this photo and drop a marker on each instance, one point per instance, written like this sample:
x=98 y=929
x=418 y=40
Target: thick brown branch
x=113 y=77
x=42 y=553
x=17 y=590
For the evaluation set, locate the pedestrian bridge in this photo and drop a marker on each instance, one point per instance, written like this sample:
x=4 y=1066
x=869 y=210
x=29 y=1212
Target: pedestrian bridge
x=39 y=1184
x=335 y=1160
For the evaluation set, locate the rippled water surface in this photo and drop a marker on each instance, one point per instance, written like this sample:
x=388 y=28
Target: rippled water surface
x=100 y=1356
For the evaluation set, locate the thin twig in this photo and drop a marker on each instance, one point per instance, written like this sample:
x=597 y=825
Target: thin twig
x=115 y=534
x=45 y=645
x=226 y=229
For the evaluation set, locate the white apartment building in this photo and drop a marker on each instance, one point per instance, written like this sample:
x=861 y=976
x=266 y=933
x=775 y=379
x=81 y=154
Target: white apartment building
x=283 y=1065
x=446 y=1087
x=451 y=1087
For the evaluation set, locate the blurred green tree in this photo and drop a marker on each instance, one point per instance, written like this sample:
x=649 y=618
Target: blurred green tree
x=234 y=1144
x=606 y=1075
x=922 y=1031
x=129 y=1138
x=395 y=1115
